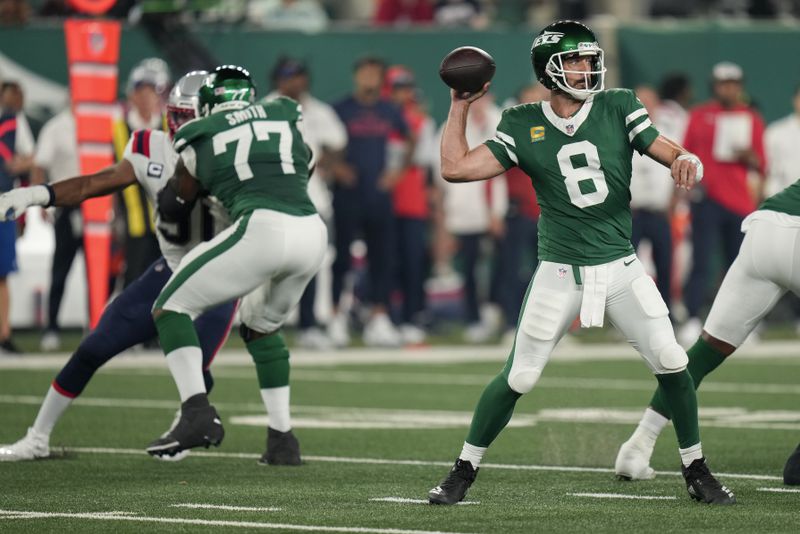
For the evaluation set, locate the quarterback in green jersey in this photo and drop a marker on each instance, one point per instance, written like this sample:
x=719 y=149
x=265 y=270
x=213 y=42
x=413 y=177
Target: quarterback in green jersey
x=765 y=270
x=253 y=159
x=577 y=150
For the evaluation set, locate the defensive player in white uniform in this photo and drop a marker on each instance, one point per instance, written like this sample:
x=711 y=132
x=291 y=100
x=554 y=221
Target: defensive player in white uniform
x=767 y=267
x=149 y=159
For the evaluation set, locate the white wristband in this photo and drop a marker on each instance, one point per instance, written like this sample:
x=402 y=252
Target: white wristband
x=39 y=195
x=697 y=163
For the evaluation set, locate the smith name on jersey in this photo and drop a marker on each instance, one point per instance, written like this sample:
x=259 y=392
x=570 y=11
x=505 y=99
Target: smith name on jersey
x=252 y=158
x=581 y=170
x=153 y=159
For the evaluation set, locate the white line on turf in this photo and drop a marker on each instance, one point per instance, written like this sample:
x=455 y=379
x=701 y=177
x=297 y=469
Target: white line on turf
x=779 y=490
x=24 y=514
x=198 y=506
x=406 y=500
x=424 y=463
x=625 y=496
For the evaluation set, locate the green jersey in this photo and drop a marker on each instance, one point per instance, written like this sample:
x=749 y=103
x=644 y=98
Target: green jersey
x=787 y=201
x=581 y=171
x=251 y=158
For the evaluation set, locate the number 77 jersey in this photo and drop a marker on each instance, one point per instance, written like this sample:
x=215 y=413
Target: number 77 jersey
x=250 y=158
x=581 y=170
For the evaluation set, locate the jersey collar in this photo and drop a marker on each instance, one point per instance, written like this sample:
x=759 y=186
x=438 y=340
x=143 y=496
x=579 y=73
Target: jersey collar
x=571 y=125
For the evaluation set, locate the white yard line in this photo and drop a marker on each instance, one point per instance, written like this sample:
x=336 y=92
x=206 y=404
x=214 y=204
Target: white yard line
x=625 y=496
x=425 y=463
x=199 y=506
x=425 y=356
x=26 y=514
x=779 y=490
x=406 y=500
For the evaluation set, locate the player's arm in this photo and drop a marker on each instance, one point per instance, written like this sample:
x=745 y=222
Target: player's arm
x=686 y=168
x=70 y=192
x=459 y=163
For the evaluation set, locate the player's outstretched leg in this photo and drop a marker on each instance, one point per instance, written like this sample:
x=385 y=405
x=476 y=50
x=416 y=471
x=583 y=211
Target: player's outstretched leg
x=493 y=412
x=199 y=424
x=633 y=458
x=791 y=472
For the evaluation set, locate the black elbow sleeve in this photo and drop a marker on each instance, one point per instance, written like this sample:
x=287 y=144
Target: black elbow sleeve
x=171 y=207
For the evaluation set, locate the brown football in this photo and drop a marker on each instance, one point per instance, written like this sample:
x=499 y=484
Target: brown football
x=466 y=69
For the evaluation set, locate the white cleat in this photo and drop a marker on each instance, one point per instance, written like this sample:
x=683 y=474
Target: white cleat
x=339 y=330
x=633 y=462
x=32 y=447
x=314 y=339
x=381 y=332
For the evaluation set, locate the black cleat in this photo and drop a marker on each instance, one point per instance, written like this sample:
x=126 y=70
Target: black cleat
x=282 y=449
x=199 y=426
x=702 y=485
x=454 y=487
x=791 y=473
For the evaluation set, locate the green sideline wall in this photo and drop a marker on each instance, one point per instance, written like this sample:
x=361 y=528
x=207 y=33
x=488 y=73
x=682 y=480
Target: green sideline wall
x=768 y=53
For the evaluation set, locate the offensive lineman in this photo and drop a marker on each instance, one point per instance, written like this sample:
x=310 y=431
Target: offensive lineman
x=253 y=158
x=765 y=269
x=577 y=148
x=126 y=322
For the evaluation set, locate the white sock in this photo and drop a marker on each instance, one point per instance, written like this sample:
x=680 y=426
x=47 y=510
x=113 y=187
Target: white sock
x=276 y=400
x=472 y=454
x=650 y=426
x=691 y=454
x=186 y=366
x=51 y=411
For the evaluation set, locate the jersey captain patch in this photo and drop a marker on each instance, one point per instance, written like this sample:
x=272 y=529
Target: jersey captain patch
x=155 y=170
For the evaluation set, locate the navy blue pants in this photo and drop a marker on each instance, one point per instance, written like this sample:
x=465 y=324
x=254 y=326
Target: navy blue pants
x=516 y=262
x=411 y=248
x=469 y=246
x=654 y=226
x=127 y=321
x=712 y=225
x=374 y=221
x=307 y=317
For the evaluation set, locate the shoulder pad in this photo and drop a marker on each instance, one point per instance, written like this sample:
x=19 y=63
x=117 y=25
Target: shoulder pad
x=189 y=133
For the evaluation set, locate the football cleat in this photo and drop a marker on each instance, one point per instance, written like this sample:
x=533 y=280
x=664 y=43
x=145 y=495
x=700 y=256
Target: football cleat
x=633 y=462
x=703 y=487
x=32 y=447
x=791 y=473
x=454 y=487
x=178 y=456
x=198 y=426
x=282 y=449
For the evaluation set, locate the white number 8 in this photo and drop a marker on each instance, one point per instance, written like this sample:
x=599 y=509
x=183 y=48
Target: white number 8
x=573 y=176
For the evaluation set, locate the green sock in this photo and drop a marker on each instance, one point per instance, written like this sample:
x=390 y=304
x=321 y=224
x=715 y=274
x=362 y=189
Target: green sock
x=681 y=399
x=703 y=358
x=493 y=412
x=271 y=357
x=175 y=330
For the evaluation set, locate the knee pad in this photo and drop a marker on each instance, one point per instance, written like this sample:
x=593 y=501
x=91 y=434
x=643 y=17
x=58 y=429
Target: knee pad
x=672 y=359
x=523 y=379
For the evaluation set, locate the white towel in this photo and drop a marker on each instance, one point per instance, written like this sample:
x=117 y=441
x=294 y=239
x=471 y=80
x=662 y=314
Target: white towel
x=595 y=289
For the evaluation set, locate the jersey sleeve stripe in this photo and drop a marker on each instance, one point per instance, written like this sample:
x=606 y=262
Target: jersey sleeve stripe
x=136 y=143
x=505 y=145
x=639 y=129
x=512 y=156
x=145 y=144
x=507 y=139
x=635 y=115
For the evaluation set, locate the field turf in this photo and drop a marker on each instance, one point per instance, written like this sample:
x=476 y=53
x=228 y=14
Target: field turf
x=379 y=429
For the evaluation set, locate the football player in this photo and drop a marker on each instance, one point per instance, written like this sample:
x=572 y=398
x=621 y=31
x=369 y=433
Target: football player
x=765 y=269
x=149 y=160
x=577 y=148
x=253 y=158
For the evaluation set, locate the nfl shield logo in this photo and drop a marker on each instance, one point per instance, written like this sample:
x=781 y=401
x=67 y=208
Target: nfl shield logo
x=570 y=129
x=562 y=272
x=97 y=42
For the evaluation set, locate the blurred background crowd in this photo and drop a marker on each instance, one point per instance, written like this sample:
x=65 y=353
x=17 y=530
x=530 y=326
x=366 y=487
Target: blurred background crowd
x=411 y=256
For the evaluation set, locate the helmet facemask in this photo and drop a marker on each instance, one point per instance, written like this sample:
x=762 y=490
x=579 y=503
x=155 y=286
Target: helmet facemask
x=594 y=78
x=183 y=102
x=178 y=115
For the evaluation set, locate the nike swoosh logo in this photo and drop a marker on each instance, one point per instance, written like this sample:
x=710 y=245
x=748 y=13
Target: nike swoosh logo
x=626 y=263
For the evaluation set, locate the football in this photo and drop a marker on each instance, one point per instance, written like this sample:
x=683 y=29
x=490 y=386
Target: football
x=466 y=69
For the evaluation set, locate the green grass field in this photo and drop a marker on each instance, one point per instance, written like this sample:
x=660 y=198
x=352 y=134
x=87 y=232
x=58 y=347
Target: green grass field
x=378 y=429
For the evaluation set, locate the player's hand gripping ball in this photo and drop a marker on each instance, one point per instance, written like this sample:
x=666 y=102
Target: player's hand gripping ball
x=467 y=69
